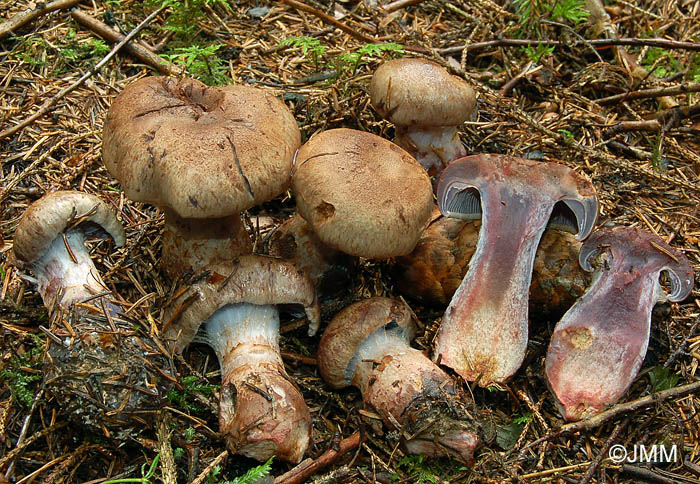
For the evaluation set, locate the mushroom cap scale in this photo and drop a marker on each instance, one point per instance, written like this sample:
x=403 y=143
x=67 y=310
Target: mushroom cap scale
x=350 y=327
x=417 y=92
x=56 y=212
x=362 y=194
x=164 y=139
x=250 y=279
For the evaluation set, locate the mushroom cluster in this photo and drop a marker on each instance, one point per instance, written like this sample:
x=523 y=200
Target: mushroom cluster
x=504 y=237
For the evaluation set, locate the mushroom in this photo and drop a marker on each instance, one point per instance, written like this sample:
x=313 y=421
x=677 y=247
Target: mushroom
x=483 y=335
x=361 y=194
x=102 y=371
x=202 y=154
x=329 y=269
x=261 y=411
x=367 y=345
x=434 y=270
x=599 y=345
x=427 y=105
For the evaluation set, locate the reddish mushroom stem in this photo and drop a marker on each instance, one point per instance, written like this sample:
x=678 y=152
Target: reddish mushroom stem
x=261 y=411
x=408 y=389
x=483 y=335
x=599 y=345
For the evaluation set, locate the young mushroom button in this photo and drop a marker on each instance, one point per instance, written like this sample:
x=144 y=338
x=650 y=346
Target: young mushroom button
x=367 y=345
x=427 y=105
x=104 y=373
x=599 y=345
x=361 y=194
x=483 y=335
x=202 y=154
x=261 y=411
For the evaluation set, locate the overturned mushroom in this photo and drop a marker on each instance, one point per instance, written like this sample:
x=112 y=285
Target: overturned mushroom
x=434 y=270
x=361 y=194
x=261 y=411
x=104 y=373
x=426 y=104
x=483 y=335
x=367 y=345
x=202 y=154
x=599 y=345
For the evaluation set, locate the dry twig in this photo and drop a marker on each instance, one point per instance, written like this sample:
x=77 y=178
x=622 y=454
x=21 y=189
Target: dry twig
x=49 y=103
x=29 y=14
x=141 y=53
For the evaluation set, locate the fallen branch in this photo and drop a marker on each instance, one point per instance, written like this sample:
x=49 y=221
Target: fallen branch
x=330 y=20
x=141 y=53
x=647 y=474
x=602 y=417
x=310 y=466
x=29 y=14
x=597 y=420
x=650 y=93
x=49 y=103
x=651 y=42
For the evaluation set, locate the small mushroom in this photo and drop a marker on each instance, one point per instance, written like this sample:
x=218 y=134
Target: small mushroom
x=599 y=345
x=361 y=194
x=202 y=154
x=483 y=335
x=261 y=411
x=427 y=105
x=434 y=270
x=102 y=371
x=367 y=345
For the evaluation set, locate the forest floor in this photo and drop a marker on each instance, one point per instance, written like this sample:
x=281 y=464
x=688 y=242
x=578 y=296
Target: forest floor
x=611 y=93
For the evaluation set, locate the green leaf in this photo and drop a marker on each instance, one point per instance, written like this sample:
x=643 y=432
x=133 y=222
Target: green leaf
x=661 y=379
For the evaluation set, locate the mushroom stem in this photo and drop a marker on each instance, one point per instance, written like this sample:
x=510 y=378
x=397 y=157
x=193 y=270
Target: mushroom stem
x=261 y=411
x=69 y=276
x=410 y=392
x=192 y=244
x=483 y=335
x=600 y=343
x=434 y=147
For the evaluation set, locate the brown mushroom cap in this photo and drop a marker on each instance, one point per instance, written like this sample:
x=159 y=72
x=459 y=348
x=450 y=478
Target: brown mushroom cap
x=55 y=212
x=417 y=92
x=204 y=152
x=361 y=193
x=350 y=327
x=250 y=279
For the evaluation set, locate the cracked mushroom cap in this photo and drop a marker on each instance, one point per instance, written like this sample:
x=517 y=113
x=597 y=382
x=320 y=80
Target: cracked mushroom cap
x=165 y=139
x=362 y=194
x=57 y=212
x=350 y=327
x=252 y=279
x=417 y=92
